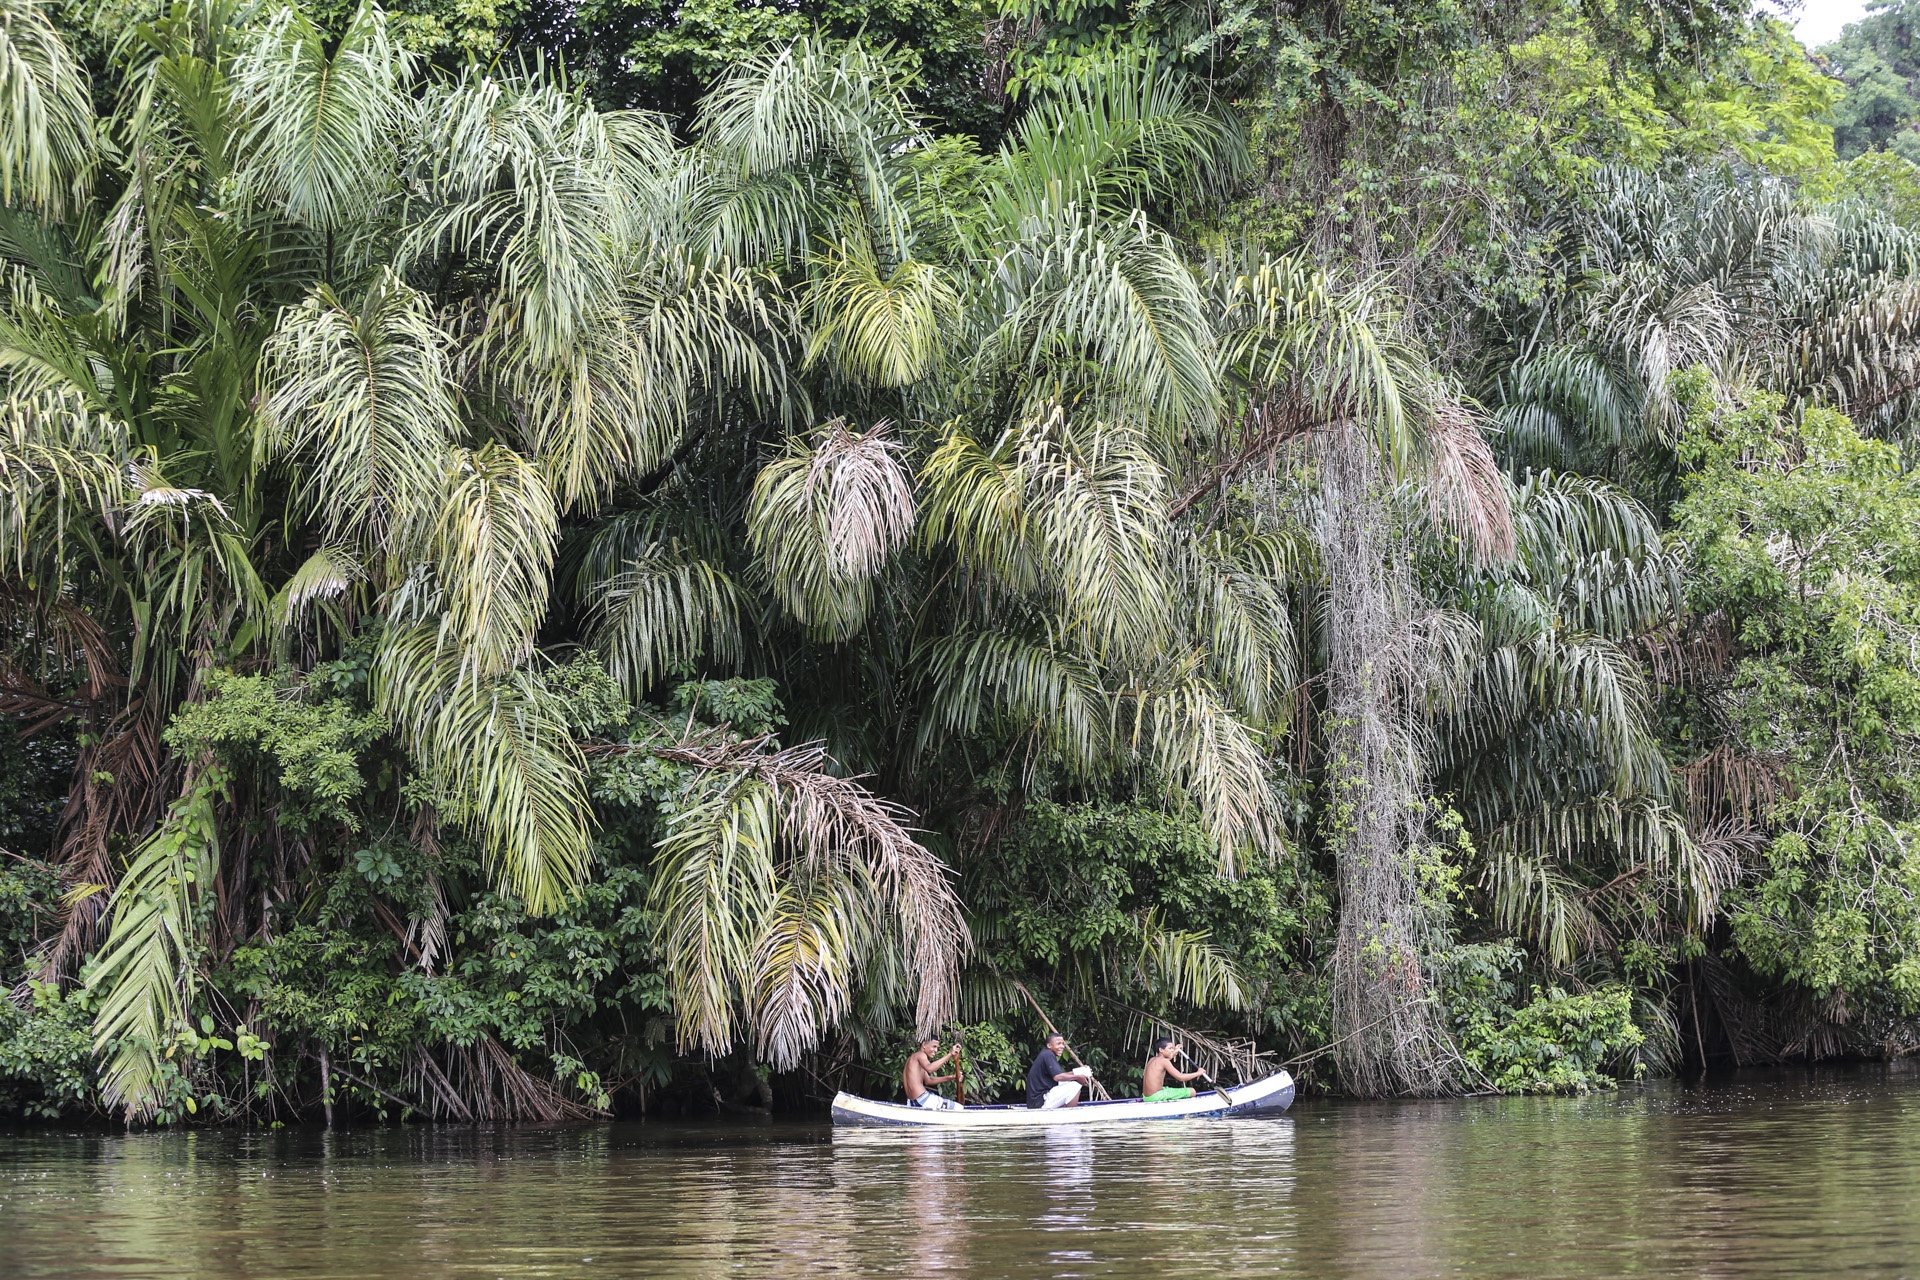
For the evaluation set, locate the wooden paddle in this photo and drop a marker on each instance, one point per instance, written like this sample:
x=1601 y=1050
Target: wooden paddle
x=959 y=1075
x=1224 y=1095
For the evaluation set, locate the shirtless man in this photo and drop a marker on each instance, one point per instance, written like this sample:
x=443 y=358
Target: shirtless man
x=1153 y=1080
x=918 y=1079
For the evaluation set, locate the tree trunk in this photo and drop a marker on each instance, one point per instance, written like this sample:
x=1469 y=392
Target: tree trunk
x=1392 y=1039
x=326 y=1086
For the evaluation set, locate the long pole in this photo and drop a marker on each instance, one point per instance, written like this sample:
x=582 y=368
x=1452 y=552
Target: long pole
x=1100 y=1090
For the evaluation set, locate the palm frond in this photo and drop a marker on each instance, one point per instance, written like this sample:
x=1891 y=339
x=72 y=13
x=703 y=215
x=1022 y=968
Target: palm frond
x=364 y=397
x=1022 y=685
x=1231 y=594
x=975 y=506
x=1468 y=494
x=680 y=338
x=779 y=885
x=325 y=576
x=802 y=976
x=1185 y=967
x=1075 y=509
x=1124 y=131
x=44 y=351
x=838 y=824
x=1538 y=900
x=146 y=974
x=58 y=463
x=665 y=606
x=1287 y=329
x=1558 y=406
x=523 y=174
x=47 y=150
x=323 y=113
x=824 y=519
x=783 y=119
x=1111 y=301
x=887 y=328
x=1203 y=753
x=715 y=890
x=494 y=540
x=500 y=756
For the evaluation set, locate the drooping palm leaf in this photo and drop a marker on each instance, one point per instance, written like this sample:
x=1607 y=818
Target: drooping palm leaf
x=47 y=152
x=363 y=397
x=664 y=607
x=493 y=541
x=825 y=517
x=500 y=755
x=322 y=113
x=146 y=974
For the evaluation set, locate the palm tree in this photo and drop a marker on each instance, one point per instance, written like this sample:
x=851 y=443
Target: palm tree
x=1730 y=270
x=371 y=339
x=1003 y=568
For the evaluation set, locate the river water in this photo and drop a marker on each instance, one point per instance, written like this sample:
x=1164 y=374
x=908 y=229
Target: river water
x=1792 y=1174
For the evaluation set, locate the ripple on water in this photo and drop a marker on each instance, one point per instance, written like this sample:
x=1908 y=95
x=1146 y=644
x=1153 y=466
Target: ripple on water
x=1768 y=1175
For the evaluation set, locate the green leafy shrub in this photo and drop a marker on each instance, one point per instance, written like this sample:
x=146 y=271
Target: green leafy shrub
x=1556 y=1043
x=46 y=1053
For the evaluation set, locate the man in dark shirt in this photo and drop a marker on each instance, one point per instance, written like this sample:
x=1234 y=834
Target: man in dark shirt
x=1051 y=1085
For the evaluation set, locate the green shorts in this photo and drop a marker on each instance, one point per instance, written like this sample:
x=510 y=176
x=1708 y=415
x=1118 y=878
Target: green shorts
x=1168 y=1094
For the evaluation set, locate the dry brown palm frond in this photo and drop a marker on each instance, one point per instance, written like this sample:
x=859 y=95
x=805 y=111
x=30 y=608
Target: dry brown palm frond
x=119 y=784
x=868 y=512
x=61 y=631
x=1730 y=785
x=1213 y=1054
x=483 y=1082
x=1689 y=655
x=24 y=700
x=1467 y=492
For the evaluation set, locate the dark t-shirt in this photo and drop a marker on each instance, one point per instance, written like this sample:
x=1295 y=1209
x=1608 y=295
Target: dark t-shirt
x=1041 y=1077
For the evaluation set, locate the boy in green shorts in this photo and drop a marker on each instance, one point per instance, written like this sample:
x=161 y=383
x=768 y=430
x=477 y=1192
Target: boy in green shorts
x=1153 y=1080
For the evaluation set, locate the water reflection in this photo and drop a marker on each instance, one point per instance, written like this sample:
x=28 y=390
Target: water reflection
x=1790 y=1175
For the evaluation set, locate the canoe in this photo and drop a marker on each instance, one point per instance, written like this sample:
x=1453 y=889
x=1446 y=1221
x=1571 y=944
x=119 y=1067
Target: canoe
x=1268 y=1097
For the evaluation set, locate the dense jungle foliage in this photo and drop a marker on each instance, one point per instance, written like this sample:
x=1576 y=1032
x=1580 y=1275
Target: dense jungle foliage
x=573 y=559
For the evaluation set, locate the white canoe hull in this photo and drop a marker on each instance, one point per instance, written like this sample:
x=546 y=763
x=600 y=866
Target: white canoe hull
x=1269 y=1097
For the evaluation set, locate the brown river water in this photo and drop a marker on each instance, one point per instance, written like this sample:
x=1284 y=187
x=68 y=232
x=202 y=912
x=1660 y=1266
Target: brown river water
x=1785 y=1174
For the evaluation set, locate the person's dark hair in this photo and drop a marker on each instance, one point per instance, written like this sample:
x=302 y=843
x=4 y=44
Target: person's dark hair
x=927 y=1040
x=1052 y=1036
x=1161 y=1043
